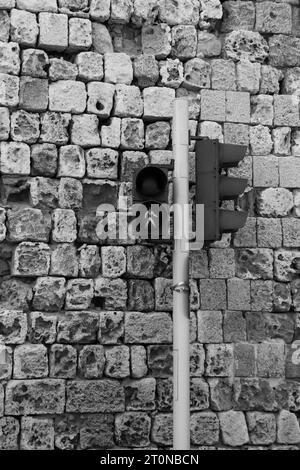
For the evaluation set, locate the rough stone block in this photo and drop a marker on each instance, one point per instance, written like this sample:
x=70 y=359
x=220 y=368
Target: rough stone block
x=210 y=327
x=197 y=74
x=25 y=127
x=234 y=327
x=282 y=140
x=92 y=361
x=121 y=11
x=238 y=296
x=78 y=327
x=244 y=360
x=100 y=99
x=157 y=135
x=275 y=18
x=64 y=260
x=54 y=128
x=237 y=106
x=80 y=34
x=85 y=130
x=10 y=429
x=37 y=434
x=147 y=329
x=262 y=428
x=265 y=171
x=140 y=296
x=31 y=259
x=248 y=76
x=117 y=361
x=62 y=361
x=274 y=202
x=262 y=110
x=290 y=231
x=53 y=31
x=30 y=361
x=128 y=101
x=79 y=294
x=138 y=356
x=204 y=428
x=49 y=294
x=42 y=328
x=33 y=94
x=6 y=365
x=4 y=123
x=140 y=262
x=233 y=428
x=270 y=77
x=9 y=90
x=291 y=81
x=162 y=430
x=145 y=70
x=238 y=15
x=158 y=103
x=102 y=163
x=118 y=68
x=35 y=397
x=4 y=26
x=209 y=45
x=44 y=159
x=61 y=69
x=261 y=296
x=23 y=27
x=113 y=261
x=247 y=45
x=131 y=162
x=254 y=263
x=13 y=326
x=35 y=63
x=95 y=396
x=213 y=105
x=44 y=193
x=89 y=261
x=219 y=360
x=289 y=172
x=292 y=369
x=160 y=360
x=100 y=10
x=285 y=265
x=260 y=140
x=10 y=58
x=132 y=429
x=156 y=40
x=288 y=430
x=221 y=263
x=67 y=96
x=90 y=66
x=132 y=134
x=270 y=359
x=223 y=75
x=111 y=133
x=282 y=298
x=111 y=327
x=102 y=40
x=64 y=226
x=112 y=292
x=70 y=194
x=284 y=51
x=71 y=162
x=212 y=294
x=221 y=394
x=28 y=224
x=184 y=41
x=286 y=110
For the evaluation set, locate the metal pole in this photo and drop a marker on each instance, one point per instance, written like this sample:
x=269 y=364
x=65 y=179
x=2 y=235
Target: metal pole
x=181 y=313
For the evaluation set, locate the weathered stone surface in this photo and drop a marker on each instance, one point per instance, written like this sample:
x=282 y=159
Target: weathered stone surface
x=284 y=51
x=62 y=361
x=6 y=366
x=238 y=15
x=34 y=94
x=37 y=434
x=162 y=429
x=78 y=327
x=95 y=396
x=274 y=202
x=158 y=103
x=43 y=396
x=210 y=327
x=100 y=99
x=64 y=226
x=288 y=430
x=270 y=359
x=42 y=328
x=132 y=429
x=219 y=360
x=28 y=224
x=31 y=259
x=9 y=58
x=138 y=356
x=5 y=26
x=70 y=194
x=132 y=134
x=111 y=292
x=14 y=158
x=156 y=40
x=92 y=361
x=117 y=361
x=25 y=127
x=53 y=31
x=184 y=41
x=140 y=296
x=89 y=261
x=9 y=91
x=67 y=96
x=273 y=18
x=147 y=329
x=30 y=361
x=102 y=41
x=54 y=128
x=4 y=123
x=118 y=68
x=262 y=428
x=285 y=265
x=90 y=66
x=9 y=433
x=213 y=294
x=157 y=135
x=24 y=28
x=209 y=45
x=61 y=69
x=233 y=428
x=37 y=5
x=197 y=74
x=80 y=34
x=204 y=428
x=245 y=45
x=44 y=159
x=13 y=326
x=85 y=130
x=221 y=394
x=79 y=294
x=49 y=293
x=111 y=329
x=35 y=63
x=237 y=106
x=254 y=264
x=44 y=193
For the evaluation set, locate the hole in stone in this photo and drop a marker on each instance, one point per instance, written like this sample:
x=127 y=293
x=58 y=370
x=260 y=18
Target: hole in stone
x=99 y=106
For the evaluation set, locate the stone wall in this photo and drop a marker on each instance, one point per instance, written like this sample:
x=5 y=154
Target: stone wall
x=86 y=92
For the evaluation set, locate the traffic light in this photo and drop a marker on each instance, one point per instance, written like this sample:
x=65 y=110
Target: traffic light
x=150 y=185
x=212 y=187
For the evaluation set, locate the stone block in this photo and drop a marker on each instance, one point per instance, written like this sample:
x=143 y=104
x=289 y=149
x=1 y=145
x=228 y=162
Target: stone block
x=37 y=434
x=67 y=96
x=118 y=68
x=128 y=101
x=270 y=359
x=285 y=265
x=113 y=261
x=35 y=63
x=102 y=40
x=34 y=94
x=30 y=361
x=80 y=34
x=288 y=430
x=64 y=226
x=71 y=162
x=132 y=134
x=4 y=123
x=145 y=70
x=111 y=133
x=78 y=327
x=244 y=360
x=213 y=294
x=209 y=45
x=40 y=396
x=43 y=193
x=289 y=168
x=95 y=396
x=158 y=103
x=55 y=128
x=223 y=75
x=270 y=77
x=43 y=159
x=138 y=356
x=111 y=292
x=254 y=263
x=265 y=171
x=260 y=140
x=91 y=361
x=131 y=162
x=89 y=261
x=9 y=90
x=213 y=105
x=248 y=76
x=282 y=140
x=85 y=131
x=247 y=45
x=62 y=361
x=237 y=106
x=102 y=163
x=237 y=16
x=79 y=294
x=273 y=18
x=210 y=326
x=184 y=41
x=140 y=262
x=234 y=327
x=10 y=429
x=132 y=429
x=262 y=110
x=25 y=127
x=117 y=361
x=111 y=327
x=53 y=31
x=140 y=296
x=219 y=360
x=23 y=28
x=70 y=194
x=171 y=73
x=286 y=110
x=274 y=202
x=290 y=231
x=49 y=294
x=197 y=74
x=10 y=58
x=90 y=66
x=147 y=329
x=291 y=81
x=100 y=10
x=262 y=428
x=157 y=135
x=238 y=296
x=221 y=263
x=31 y=259
x=162 y=430
x=100 y=99
x=156 y=40
x=61 y=69
x=163 y=294
x=121 y=11
x=282 y=298
x=42 y=327
x=13 y=325
x=221 y=394
x=236 y=133
x=28 y=224
x=204 y=428
x=5 y=26
x=233 y=428
x=284 y=51
x=6 y=365
x=261 y=296
x=160 y=360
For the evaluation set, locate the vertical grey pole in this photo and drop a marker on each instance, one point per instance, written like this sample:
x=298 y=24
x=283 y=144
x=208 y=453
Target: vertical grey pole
x=181 y=314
